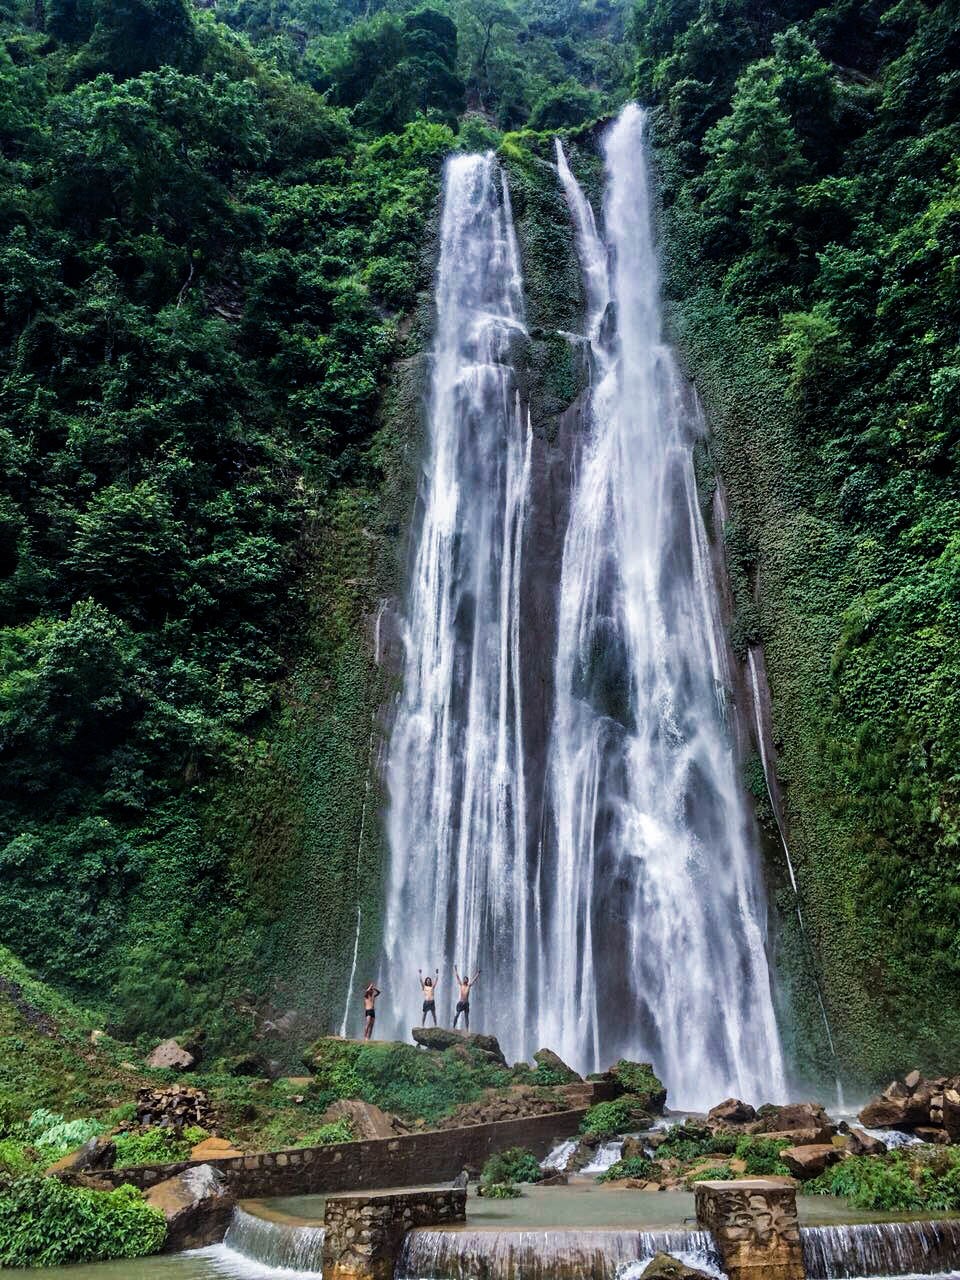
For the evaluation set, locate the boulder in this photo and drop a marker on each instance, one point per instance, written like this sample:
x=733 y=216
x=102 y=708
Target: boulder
x=197 y=1206
x=732 y=1111
x=170 y=1056
x=912 y=1080
x=556 y=1179
x=931 y=1133
x=663 y=1266
x=950 y=1111
x=802 y=1137
x=366 y=1120
x=441 y=1038
x=552 y=1062
x=634 y=1147
x=894 y=1113
x=861 y=1144
x=248 y=1064
x=638 y=1078
x=97 y=1153
x=792 y=1115
x=214 y=1149
x=807 y=1162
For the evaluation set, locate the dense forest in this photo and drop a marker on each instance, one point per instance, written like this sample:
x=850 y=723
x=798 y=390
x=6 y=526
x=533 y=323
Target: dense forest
x=217 y=246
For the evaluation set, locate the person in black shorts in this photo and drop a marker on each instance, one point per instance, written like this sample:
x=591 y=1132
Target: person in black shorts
x=369 y=1010
x=463 y=1004
x=429 y=986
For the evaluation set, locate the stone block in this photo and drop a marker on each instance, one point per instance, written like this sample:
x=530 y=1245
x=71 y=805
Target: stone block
x=754 y=1224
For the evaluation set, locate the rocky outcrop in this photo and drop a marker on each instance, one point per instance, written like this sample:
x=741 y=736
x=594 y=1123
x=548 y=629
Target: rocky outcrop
x=553 y=1063
x=862 y=1144
x=441 y=1038
x=663 y=1266
x=197 y=1206
x=791 y=1115
x=366 y=1120
x=731 y=1112
x=98 y=1153
x=916 y=1103
x=810 y=1161
x=512 y=1104
x=638 y=1079
x=170 y=1056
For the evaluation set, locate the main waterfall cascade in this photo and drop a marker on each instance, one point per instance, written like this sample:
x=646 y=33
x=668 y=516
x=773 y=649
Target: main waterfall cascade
x=616 y=910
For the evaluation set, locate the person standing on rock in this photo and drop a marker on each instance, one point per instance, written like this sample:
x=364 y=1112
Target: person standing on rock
x=369 y=1010
x=463 y=1004
x=429 y=986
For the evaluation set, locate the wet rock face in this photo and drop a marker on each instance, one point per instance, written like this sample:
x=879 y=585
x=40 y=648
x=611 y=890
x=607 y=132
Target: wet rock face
x=861 y=1144
x=915 y=1103
x=197 y=1206
x=663 y=1266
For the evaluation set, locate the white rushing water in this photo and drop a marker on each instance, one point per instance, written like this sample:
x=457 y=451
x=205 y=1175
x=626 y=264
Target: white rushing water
x=619 y=910
x=457 y=822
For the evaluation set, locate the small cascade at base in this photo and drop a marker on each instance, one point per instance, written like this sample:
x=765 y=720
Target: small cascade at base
x=559 y=1157
x=275 y=1244
x=605 y=1158
x=881 y=1249
x=541 y=1255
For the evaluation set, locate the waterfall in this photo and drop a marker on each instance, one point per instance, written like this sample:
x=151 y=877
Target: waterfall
x=656 y=876
x=604 y=1158
x=458 y=890
x=881 y=1249
x=558 y=1159
x=539 y=1255
x=276 y=1244
x=614 y=905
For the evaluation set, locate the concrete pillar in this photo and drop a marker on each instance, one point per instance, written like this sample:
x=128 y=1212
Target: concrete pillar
x=364 y=1232
x=755 y=1227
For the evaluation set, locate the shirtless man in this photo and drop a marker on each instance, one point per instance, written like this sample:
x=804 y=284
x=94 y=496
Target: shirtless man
x=463 y=1004
x=429 y=988
x=369 y=1010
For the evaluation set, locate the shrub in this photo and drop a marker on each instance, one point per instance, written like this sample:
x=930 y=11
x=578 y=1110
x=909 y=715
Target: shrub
x=638 y=1079
x=156 y=1146
x=516 y=1164
x=56 y=1136
x=335 y=1131
x=15 y=1159
x=619 y=1116
x=690 y=1141
x=711 y=1173
x=44 y=1223
x=11 y=1116
x=762 y=1155
x=870 y=1183
x=632 y=1167
x=501 y=1191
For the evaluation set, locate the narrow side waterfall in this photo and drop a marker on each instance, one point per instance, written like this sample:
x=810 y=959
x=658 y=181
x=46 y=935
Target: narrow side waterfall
x=610 y=896
x=458 y=890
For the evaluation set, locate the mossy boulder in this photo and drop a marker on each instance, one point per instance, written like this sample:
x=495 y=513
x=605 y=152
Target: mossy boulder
x=550 y=1063
x=442 y=1038
x=638 y=1079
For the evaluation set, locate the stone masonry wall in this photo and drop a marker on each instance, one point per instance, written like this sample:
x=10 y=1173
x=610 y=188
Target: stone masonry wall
x=413 y=1159
x=363 y=1234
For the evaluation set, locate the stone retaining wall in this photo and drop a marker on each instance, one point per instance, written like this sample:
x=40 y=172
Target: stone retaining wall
x=363 y=1234
x=412 y=1159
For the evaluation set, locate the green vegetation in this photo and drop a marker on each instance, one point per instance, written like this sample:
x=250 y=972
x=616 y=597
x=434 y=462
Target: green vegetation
x=44 y=1223
x=808 y=159
x=328 y=1134
x=501 y=1191
x=516 y=1164
x=156 y=1145
x=402 y=1078
x=928 y=1179
x=620 y=1116
x=690 y=1141
x=639 y=1167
